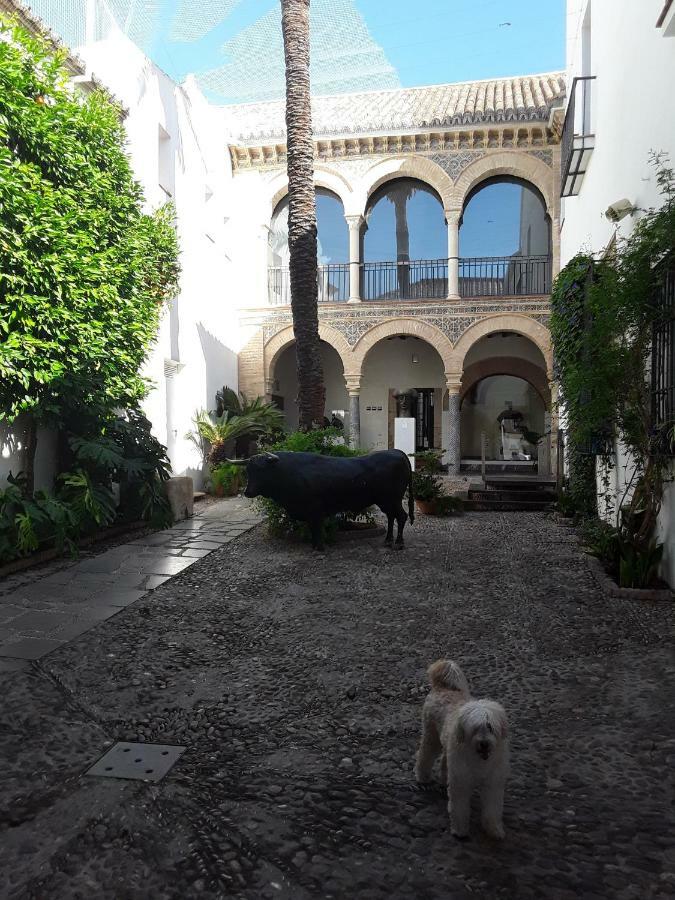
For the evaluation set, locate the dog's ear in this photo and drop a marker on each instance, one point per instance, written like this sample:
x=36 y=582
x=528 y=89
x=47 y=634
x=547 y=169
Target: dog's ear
x=460 y=733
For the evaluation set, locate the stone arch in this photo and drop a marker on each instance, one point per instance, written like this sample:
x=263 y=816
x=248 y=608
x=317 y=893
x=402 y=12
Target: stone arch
x=521 y=324
x=284 y=338
x=323 y=177
x=410 y=166
x=507 y=365
x=413 y=327
x=513 y=163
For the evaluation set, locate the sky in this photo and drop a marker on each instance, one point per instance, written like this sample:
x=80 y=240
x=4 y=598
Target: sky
x=235 y=46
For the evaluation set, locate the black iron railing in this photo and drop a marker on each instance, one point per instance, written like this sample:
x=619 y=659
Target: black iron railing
x=419 y=279
x=332 y=280
x=424 y=279
x=663 y=350
x=578 y=139
x=502 y=276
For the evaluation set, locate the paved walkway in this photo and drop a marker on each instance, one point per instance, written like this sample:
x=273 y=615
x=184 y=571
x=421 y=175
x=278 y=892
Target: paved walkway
x=41 y=609
x=295 y=681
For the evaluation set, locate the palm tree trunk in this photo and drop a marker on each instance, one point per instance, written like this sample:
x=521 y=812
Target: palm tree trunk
x=302 y=214
x=400 y=198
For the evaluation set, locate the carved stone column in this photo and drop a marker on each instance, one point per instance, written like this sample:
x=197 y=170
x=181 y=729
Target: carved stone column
x=452 y=217
x=453 y=455
x=354 y=390
x=354 y=223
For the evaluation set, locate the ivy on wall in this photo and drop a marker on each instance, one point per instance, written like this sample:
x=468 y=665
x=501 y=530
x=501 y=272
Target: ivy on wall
x=603 y=316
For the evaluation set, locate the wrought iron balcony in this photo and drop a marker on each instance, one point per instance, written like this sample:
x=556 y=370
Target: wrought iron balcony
x=424 y=279
x=419 y=279
x=332 y=279
x=578 y=138
x=504 y=276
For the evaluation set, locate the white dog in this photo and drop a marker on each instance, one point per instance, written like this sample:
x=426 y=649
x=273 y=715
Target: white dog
x=472 y=736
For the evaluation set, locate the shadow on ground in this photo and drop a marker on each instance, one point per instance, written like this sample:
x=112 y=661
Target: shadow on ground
x=295 y=680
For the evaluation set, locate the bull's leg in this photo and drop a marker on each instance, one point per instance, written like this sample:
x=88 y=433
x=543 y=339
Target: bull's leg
x=316 y=529
x=390 y=528
x=401 y=519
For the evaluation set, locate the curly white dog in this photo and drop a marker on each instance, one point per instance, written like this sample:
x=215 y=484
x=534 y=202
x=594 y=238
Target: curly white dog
x=472 y=736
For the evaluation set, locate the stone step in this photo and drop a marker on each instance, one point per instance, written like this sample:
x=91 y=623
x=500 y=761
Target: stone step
x=199 y=495
x=541 y=496
x=507 y=505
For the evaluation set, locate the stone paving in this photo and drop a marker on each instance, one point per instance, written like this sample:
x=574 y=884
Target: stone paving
x=295 y=680
x=41 y=609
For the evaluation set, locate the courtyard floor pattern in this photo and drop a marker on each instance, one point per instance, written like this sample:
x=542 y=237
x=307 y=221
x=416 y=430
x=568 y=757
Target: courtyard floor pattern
x=296 y=679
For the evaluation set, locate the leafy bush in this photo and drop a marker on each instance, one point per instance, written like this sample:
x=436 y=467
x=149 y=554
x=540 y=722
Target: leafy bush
x=28 y=525
x=326 y=441
x=84 y=271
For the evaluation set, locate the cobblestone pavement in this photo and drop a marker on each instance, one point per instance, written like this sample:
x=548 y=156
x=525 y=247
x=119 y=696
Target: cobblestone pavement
x=41 y=609
x=295 y=681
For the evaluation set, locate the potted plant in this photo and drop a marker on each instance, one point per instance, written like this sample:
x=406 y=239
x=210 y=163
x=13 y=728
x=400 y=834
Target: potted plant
x=427 y=490
x=226 y=480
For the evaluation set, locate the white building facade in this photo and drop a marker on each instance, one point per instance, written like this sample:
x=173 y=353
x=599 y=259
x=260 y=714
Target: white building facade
x=623 y=57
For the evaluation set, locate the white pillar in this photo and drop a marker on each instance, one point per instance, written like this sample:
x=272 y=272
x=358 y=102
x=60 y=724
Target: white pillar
x=454 y=453
x=452 y=217
x=354 y=223
x=353 y=383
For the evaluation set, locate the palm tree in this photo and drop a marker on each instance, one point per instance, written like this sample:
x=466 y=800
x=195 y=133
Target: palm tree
x=302 y=214
x=399 y=196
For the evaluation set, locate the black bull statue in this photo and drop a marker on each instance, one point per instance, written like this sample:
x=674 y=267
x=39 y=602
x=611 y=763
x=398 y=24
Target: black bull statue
x=311 y=487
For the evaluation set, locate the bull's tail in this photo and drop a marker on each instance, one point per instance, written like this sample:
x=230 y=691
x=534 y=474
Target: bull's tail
x=411 y=495
x=446 y=674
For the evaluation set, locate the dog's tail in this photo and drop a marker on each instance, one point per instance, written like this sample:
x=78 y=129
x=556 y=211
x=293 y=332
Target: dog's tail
x=445 y=674
x=411 y=493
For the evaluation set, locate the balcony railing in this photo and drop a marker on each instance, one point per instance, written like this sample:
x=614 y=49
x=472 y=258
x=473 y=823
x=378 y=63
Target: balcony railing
x=504 y=276
x=332 y=279
x=424 y=279
x=578 y=138
x=419 y=279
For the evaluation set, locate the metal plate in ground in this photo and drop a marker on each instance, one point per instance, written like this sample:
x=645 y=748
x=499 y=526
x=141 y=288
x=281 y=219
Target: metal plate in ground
x=142 y=762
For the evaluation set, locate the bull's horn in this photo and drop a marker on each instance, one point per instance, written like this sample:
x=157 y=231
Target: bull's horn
x=237 y=462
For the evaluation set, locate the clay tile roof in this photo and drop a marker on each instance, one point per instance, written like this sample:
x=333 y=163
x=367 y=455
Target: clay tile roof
x=527 y=98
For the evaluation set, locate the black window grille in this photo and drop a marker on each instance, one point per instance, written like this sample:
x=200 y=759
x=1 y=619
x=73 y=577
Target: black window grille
x=663 y=348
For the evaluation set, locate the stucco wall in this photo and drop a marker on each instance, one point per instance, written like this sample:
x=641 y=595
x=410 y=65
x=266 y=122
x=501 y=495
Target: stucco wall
x=632 y=115
x=176 y=141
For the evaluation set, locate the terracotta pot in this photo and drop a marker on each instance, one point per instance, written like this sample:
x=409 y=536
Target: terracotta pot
x=426 y=507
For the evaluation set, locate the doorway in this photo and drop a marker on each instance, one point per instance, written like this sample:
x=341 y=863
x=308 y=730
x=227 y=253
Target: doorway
x=424 y=419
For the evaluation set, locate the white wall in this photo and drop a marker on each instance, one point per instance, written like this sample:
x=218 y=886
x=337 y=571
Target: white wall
x=389 y=365
x=177 y=143
x=633 y=113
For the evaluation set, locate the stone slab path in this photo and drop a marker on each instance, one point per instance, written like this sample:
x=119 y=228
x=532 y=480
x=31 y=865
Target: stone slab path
x=41 y=609
x=295 y=681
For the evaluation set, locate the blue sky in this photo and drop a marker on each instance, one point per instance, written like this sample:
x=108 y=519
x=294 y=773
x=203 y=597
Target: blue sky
x=424 y=42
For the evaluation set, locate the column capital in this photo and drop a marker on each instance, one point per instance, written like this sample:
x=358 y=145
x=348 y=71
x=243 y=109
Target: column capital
x=453 y=382
x=452 y=215
x=353 y=383
x=354 y=221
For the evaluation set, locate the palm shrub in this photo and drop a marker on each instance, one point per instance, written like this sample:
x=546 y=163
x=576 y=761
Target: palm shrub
x=258 y=410
x=214 y=435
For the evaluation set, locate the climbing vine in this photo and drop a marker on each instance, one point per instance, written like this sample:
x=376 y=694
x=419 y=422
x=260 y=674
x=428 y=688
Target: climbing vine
x=603 y=317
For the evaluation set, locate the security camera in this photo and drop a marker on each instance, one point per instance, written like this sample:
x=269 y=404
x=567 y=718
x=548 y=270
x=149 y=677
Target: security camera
x=617 y=211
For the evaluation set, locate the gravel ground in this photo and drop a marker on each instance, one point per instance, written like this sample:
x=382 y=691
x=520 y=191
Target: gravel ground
x=295 y=681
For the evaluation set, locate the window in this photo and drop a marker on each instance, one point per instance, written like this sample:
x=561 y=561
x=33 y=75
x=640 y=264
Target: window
x=663 y=349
